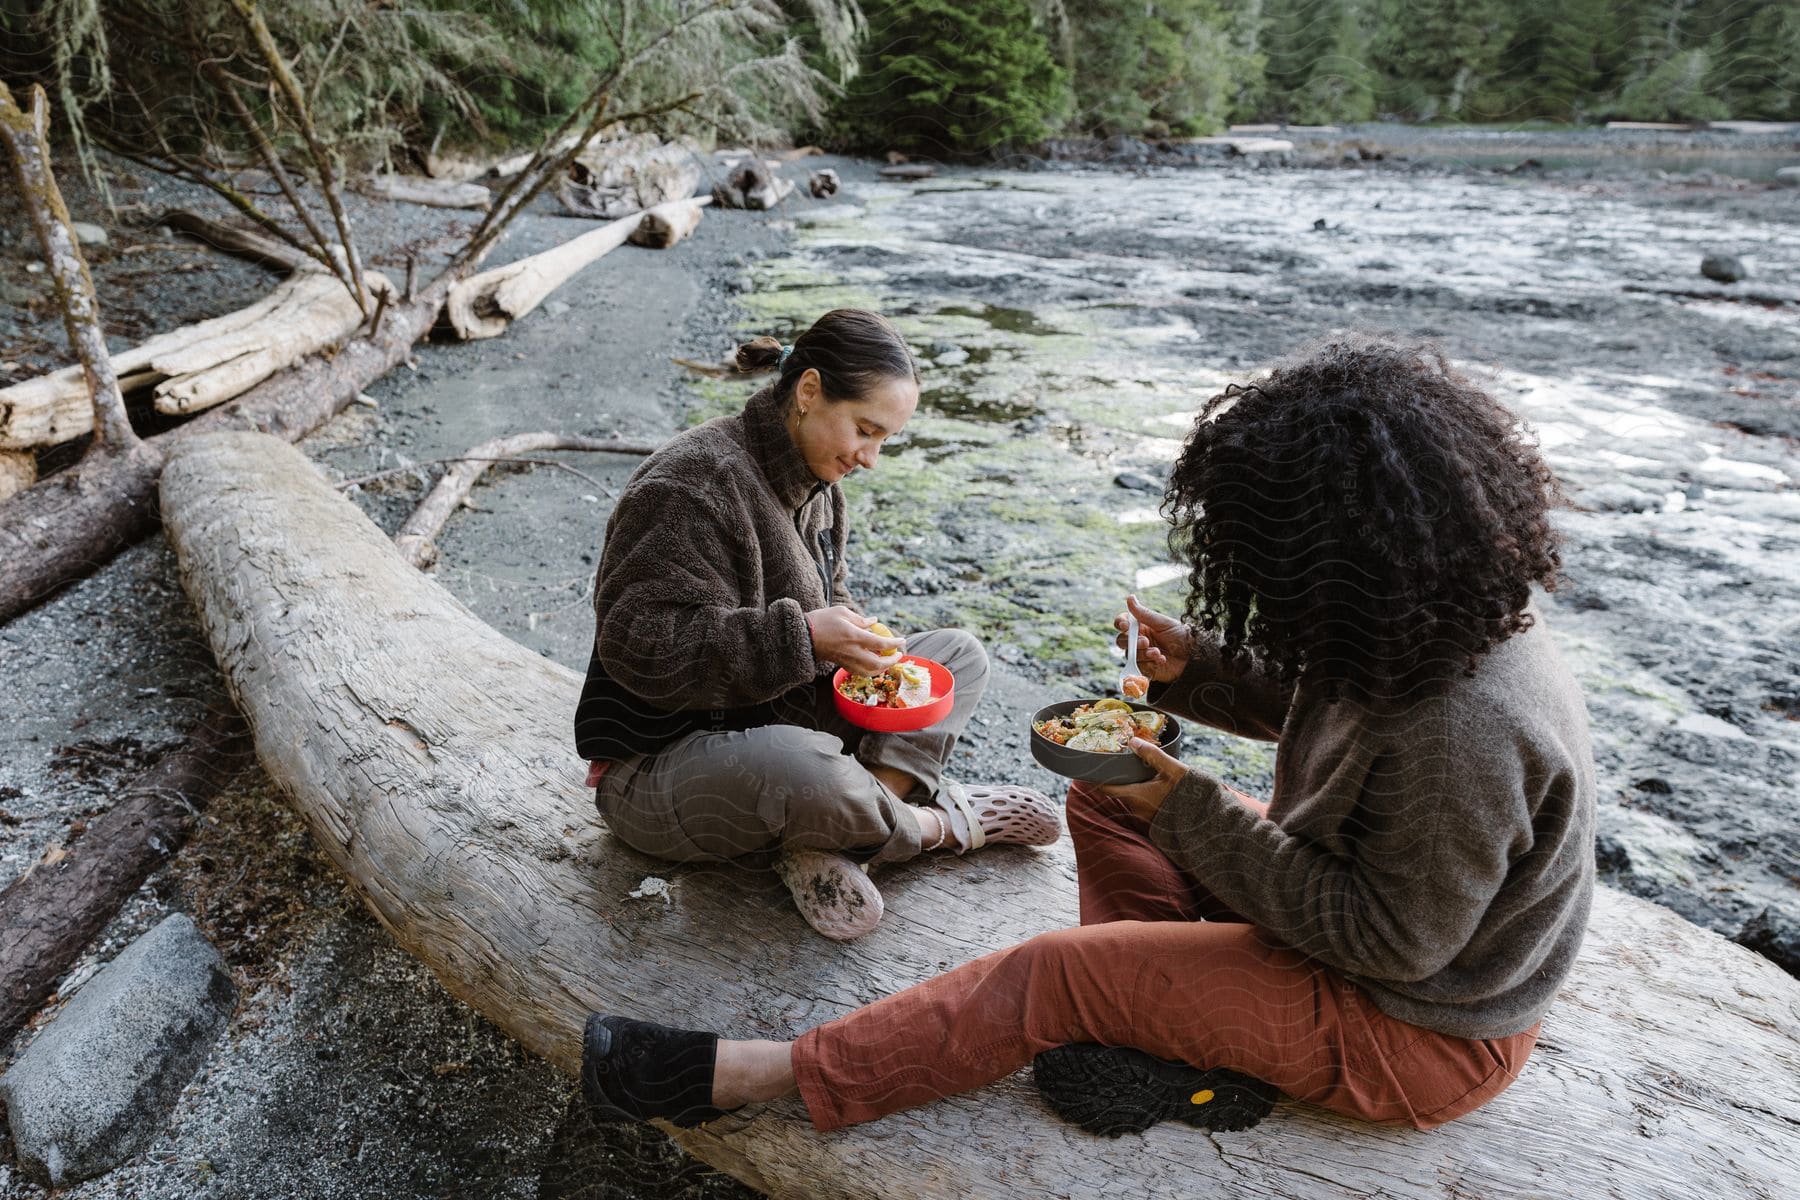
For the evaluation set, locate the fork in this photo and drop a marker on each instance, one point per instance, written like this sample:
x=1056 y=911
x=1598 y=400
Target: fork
x=1129 y=673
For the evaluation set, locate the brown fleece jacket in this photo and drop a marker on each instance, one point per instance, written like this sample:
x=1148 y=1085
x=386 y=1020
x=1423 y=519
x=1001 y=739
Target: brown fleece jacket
x=719 y=544
x=1440 y=854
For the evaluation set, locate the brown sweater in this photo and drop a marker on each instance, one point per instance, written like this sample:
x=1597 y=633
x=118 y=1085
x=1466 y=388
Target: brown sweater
x=720 y=543
x=1440 y=855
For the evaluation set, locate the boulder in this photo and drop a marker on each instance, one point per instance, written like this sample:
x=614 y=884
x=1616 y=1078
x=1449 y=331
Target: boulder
x=89 y=234
x=96 y=1085
x=1788 y=176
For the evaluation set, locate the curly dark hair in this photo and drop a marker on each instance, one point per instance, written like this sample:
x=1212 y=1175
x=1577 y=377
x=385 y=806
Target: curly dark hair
x=1364 y=512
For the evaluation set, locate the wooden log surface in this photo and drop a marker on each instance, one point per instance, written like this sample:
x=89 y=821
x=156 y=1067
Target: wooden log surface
x=196 y=366
x=50 y=914
x=63 y=527
x=432 y=759
x=434 y=193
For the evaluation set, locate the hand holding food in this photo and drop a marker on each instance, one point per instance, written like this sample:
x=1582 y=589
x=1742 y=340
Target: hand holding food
x=846 y=637
x=1162 y=643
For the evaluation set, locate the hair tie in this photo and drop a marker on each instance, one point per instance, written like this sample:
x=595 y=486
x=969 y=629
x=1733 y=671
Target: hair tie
x=781 y=363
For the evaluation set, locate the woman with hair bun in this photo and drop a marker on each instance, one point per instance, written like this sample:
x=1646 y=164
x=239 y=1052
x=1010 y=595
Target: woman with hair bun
x=1365 y=527
x=707 y=716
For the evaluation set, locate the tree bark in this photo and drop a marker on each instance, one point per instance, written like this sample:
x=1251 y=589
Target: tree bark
x=450 y=796
x=61 y=529
x=751 y=185
x=416 y=539
x=483 y=305
x=50 y=914
x=617 y=177
x=18 y=471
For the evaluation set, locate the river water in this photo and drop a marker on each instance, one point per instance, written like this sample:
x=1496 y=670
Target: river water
x=1075 y=320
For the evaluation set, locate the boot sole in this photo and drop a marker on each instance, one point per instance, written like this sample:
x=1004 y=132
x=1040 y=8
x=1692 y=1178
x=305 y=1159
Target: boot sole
x=1113 y=1090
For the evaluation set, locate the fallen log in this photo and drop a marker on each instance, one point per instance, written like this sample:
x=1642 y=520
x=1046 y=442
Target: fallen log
x=57 y=531
x=194 y=367
x=435 y=193
x=49 y=915
x=663 y=227
x=238 y=242
x=823 y=183
x=617 y=177
x=450 y=797
x=751 y=185
x=18 y=471
x=483 y=305
x=417 y=537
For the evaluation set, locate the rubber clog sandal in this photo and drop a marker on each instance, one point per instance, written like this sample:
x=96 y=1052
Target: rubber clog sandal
x=1110 y=1090
x=1001 y=814
x=832 y=891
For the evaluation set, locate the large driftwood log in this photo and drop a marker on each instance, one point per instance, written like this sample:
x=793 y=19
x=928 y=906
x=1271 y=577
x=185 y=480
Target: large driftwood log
x=617 y=177
x=18 y=471
x=57 y=531
x=752 y=185
x=239 y=242
x=483 y=305
x=434 y=193
x=196 y=366
x=50 y=914
x=447 y=791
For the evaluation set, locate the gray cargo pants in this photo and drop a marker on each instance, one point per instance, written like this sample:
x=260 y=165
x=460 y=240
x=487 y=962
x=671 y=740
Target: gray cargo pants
x=801 y=783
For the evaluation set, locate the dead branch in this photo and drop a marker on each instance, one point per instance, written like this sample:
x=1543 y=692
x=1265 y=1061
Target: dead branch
x=415 y=540
x=26 y=137
x=241 y=243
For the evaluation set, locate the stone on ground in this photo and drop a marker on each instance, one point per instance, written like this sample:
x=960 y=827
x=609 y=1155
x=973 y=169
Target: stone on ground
x=97 y=1084
x=1723 y=267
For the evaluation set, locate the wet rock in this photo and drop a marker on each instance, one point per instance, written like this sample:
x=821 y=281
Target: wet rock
x=96 y=1085
x=1618 y=497
x=89 y=234
x=1138 y=481
x=955 y=356
x=1724 y=268
x=1788 y=176
x=1775 y=936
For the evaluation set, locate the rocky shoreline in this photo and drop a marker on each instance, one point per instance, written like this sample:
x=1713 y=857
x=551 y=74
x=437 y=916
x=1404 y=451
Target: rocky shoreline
x=1067 y=319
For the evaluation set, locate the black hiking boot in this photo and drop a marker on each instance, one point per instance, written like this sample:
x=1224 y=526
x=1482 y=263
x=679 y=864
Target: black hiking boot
x=1112 y=1090
x=637 y=1070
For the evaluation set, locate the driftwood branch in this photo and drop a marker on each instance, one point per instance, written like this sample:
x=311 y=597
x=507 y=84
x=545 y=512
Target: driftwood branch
x=26 y=137
x=449 y=797
x=239 y=243
x=416 y=539
x=49 y=915
x=482 y=306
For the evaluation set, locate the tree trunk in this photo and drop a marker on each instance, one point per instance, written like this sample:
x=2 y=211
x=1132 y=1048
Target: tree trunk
x=26 y=137
x=449 y=794
x=620 y=176
x=56 y=532
x=751 y=185
x=483 y=305
x=50 y=914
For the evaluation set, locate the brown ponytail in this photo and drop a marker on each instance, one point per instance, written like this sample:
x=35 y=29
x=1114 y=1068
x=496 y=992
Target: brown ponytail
x=852 y=349
x=761 y=354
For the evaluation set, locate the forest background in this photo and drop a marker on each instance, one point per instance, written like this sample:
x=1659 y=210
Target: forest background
x=953 y=78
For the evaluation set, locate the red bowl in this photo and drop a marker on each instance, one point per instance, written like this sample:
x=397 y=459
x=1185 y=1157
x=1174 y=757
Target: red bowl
x=899 y=720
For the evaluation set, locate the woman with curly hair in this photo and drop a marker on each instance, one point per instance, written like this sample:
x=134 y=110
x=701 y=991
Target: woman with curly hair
x=1382 y=937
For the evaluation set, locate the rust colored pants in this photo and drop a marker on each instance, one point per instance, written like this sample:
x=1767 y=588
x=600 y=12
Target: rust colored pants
x=1159 y=964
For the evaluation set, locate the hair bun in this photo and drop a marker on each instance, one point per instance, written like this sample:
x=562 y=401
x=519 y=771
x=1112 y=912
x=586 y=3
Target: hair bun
x=761 y=354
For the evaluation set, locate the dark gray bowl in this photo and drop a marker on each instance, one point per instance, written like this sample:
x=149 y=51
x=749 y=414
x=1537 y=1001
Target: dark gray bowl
x=1091 y=766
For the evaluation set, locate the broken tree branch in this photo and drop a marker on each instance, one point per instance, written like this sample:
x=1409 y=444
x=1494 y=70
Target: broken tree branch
x=26 y=136
x=240 y=243
x=416 y=538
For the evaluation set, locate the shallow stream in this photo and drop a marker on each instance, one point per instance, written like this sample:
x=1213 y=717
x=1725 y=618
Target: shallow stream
x=1076 y=320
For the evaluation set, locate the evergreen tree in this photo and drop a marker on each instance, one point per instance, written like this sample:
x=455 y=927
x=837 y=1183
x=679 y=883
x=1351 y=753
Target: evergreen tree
x=953 y=78
x=1318 y=57
x=1438 y=54
x=1156 y=66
